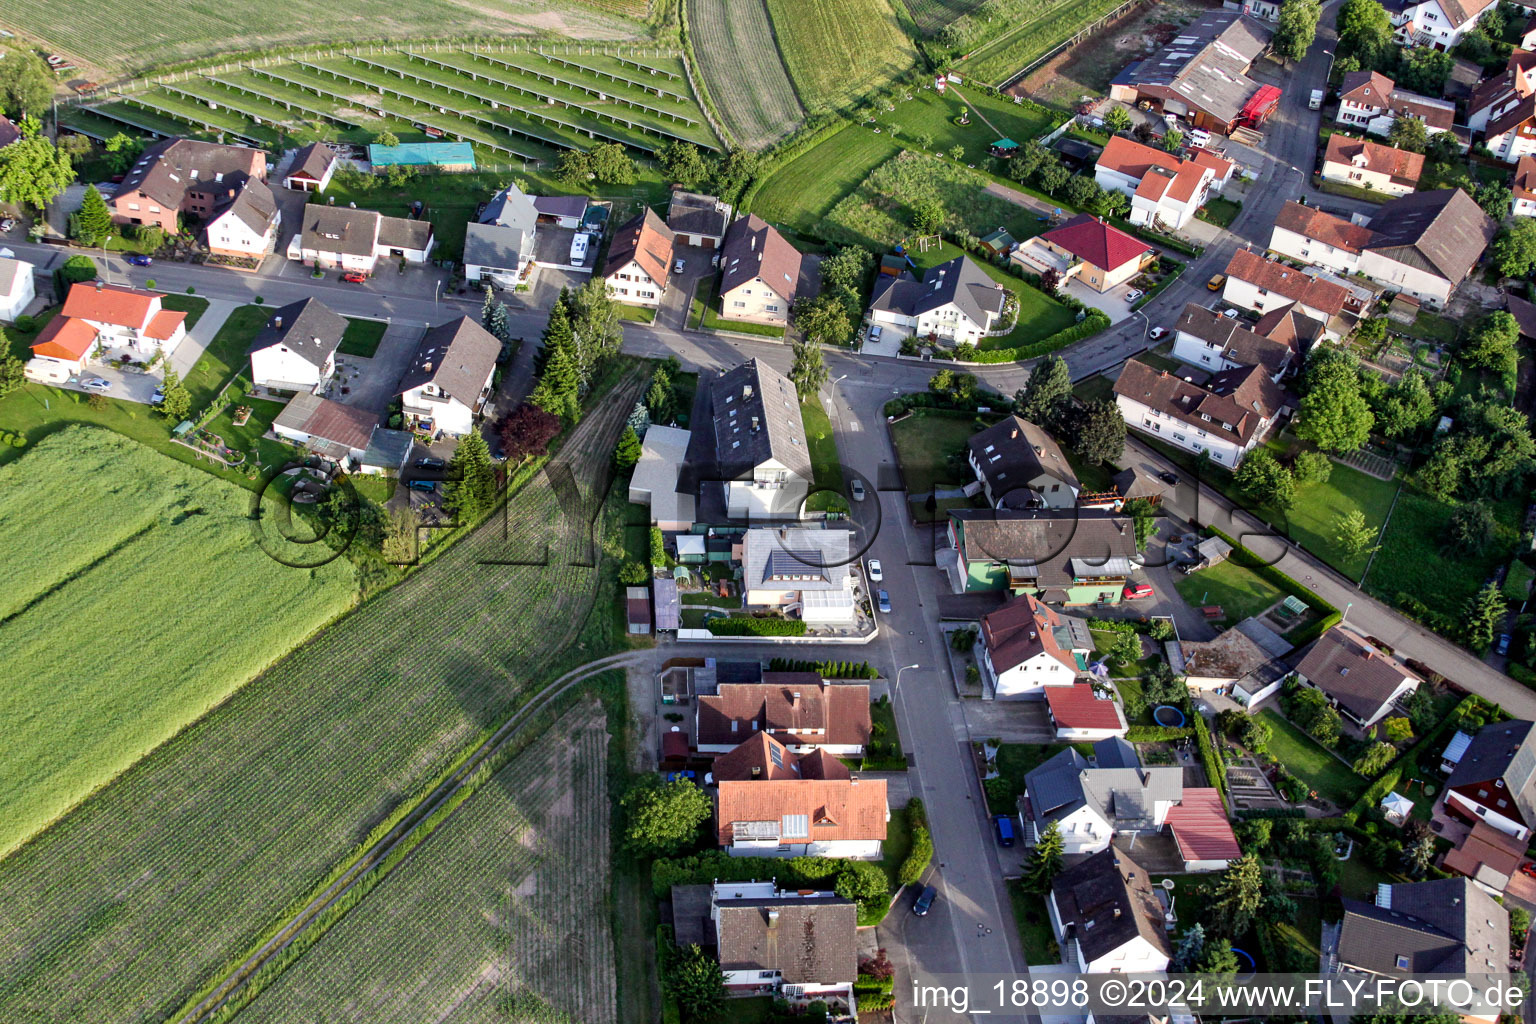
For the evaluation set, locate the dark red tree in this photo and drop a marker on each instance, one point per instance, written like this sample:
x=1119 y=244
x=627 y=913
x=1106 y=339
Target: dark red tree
x=528 y=431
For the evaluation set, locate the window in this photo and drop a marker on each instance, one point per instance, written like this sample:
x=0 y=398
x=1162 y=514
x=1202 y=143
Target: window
x=738 y=304
x=1402 y=962
x=795 y=826
x=771 y=309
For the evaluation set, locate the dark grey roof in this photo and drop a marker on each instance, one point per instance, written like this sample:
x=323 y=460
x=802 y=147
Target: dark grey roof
x=510 y=208
x=1138 y=483
x=1524 y=313
x=1507 y=751
x=696 y=214
x=255 y=206
x=1055 y=789
x=403 y=233
x=495 y=246
x=1443 y=232
x=1106 y=901
x=388 y=448
x=959 y=281
x=1013 y=454
x=313 y=160
x=1115 y=753
x=754 y=250
x=308 y=327
x=560 y=206
x=340 y=229
x=691 y=925
x=1237 y=343
x=1123 y=795
x=1348 y=668
x=1207 y=62
x=756 y=391
x=1041 y=542
x=168 y=170
x=457 y=356
x=1443 y=926
x=807 y=940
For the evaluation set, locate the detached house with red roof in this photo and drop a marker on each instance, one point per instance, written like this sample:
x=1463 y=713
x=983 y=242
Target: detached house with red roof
x=1025 y=648
x=639 y=259
x=1372 y=166
x=1085 y=711
x=1267 y=285
x=1440 y=24
x=1228 y=415
x=1086 y=248
x=799 y=709
x=101 y=321
x=1523 y=188
x=1372 y=102
x=772 y=802
x=1164 y=190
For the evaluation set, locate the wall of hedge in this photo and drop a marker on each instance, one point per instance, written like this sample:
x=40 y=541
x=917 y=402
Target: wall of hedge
x=1330 y=616
x=1092 y=324
x=746 y=626
x=1215 y=767
x=1157 y=733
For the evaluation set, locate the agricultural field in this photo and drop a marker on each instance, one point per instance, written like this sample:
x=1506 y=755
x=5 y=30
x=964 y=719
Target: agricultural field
x=743 y=73
x=147 y=613
x=838 y=50
x=1045 y=25
x=146 y=892
x=156 y=33
x=932 y=16
x=800 y=194
x=509 y=895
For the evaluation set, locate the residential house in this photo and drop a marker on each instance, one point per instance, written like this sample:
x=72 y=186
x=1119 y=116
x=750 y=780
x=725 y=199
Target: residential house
x=1502 y=91
x=799 y=570
x=698 y=220
x=1493 y=780
x=17 y=288
x=344 y=433
x=1371 y=166
x=1061 y=556
x=1203 y=337
x=1202 y=74
x=1289 y=326
x=955 y=302
x=1489 y=857
x=759 y=273
x=1372 y=102
x=338 y=237
x=497 y=255
x=1019 y=465
x=1264 y=285
x=1511 y=132
x=511 y=208
x=181 y=176
x=1107 y=918
x=1440 y=24
x=639 y=260
x=1084 y=711
x=800 y=945
x=452 y=157
x=1025 y=648
x=296 y=349
x=1424 y=244
x=654 y=481
x=1091 y=802
x=1222 y=169
x=771 y=802
x=1442 y=926
x=107 y=319
x=1266 y=10
x=1244 y=662
x=751 y=452
x=246 y=226
x=1523 y=187
x=449 y=379
x=1228 y=415
x=312 y=168
x=1086 y=248
x=1164 y=190
x=799 y=709
x=1358 y=678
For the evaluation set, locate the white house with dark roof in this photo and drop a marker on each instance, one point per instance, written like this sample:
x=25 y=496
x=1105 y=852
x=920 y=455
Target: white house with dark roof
x=1025 y=647
x=1228 y=415
x=955 y=302
x=1357 y=677
x=497 y=254
x=246 y=227
x=312 y=168
x=797 y=944
x=1494 y=779
x=1440 y=24
x=759 y=273
x=449 y=379
x=1091 y=802
x=1019 y=465
x=1203 y=337
x=1107 y=917
x=17 y=289
x=1372 y=102
x=755 y=454
x=338 y=237
x=698 y=220
x=296 y=349
x=1264 y=285
x=799 y=570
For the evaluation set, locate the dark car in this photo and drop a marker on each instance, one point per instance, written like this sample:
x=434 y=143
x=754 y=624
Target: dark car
x=924 y=901
x=1003 y=826
x=1502 y=646
x=139 y=261
x=885 y=602
x=1171 y=479
x=422 y=485
x=430 y=462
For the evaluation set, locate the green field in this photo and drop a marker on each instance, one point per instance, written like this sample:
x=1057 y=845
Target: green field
x=838 y=50
x=362 y=337
x=739 y=61
x=1239 y=591
x=148 y=891
x=132 y=621
x=826 y=467
x=1314 y=520
x=802 y=192
x=516 y=881
x=1032 y=38
x=1413 y=559
x=1333 y=779
x=932 y=15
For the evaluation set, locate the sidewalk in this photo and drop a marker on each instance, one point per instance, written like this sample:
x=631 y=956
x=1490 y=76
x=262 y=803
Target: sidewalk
x=193 y=345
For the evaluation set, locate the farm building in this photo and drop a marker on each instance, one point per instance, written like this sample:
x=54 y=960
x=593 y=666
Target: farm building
x=449 y=379
x=759 y=273
x=1087 y=249
x=17 y=287
x=296 y=349
x=1202 y=74
x=698 y=219
x=105 y=322
x=312 y=168
x=437 y=156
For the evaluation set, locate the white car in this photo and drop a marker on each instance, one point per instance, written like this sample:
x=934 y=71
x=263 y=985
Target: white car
x=96 y=385
x=857 y=490
x=1158 y=332
x=1134 y=294
x=1230 y=314
x=677 y=268
x=875 y=575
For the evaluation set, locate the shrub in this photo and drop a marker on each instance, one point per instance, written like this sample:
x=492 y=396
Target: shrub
x=917 y=860
x=743 y=626
x=1157 y=733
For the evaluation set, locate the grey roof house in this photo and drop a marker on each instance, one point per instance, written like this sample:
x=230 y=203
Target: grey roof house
x=1090 y=805
x=747 y=454
x=449 y=378
x=1358 y=678
x=1062 y=556
x=1107 y=917
x=1202 y=73
x=955 y=302
x=1494 y=779
x=295 y=350
x=497 y=253
x=1019 y=465
x=698 y=219
x=1443 y=926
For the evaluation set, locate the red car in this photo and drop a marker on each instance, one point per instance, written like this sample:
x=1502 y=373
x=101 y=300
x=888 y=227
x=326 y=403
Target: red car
x=1528 y=868
x=355 y=277
x=1136 y=591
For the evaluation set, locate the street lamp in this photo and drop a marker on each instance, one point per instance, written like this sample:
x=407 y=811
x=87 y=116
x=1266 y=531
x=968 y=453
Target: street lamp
x=1344 y=619
x=899 y=671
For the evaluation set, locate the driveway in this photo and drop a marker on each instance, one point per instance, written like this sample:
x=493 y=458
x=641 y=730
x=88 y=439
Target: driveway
x=373 y=382
x=192 y=346
x=675 y=302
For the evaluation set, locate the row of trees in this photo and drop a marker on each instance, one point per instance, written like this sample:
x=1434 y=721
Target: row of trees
x=833 y=315
x=583 y=330
x=1035 y=165
x=1095 y=430
x=727 y=176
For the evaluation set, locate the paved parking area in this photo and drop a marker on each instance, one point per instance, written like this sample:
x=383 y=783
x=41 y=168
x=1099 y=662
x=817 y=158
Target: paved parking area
x=373 y=382
x=697 y=274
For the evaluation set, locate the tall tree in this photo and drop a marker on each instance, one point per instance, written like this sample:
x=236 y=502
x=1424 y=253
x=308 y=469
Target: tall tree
x=1407 y=406
x=1191 y=945
x=1263 y=478
x=681 y=163
x=1117 y=120
x=1354 y=535
x=595 y=326
x=1236 y=896
x=1491 y=344
x=627 y=452
x=33 y=171
x=734 y=173
x=824 y=319
x=1098 y=431
x=808 y=372
x=1424 y=69
x=92 y=225
x=1408 y=133
x=12 y=373
x=1046 y=394
x=663 y=818
x=573 y=168
x=1334 y=415
x=846 y=268
x=1219 y=960
x=612 y=165
x=1365 y=32
x=177 y=400
x=471 y=489
x=386 y=138
x=695 y=980
x=659 y=398
x=1045 y=860
x=558 y=391
x=1513 y=250
x=1483 y=616
x=26 y=87
x=1297 y=28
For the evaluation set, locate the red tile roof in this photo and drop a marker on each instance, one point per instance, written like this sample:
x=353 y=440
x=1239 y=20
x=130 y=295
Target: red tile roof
x=110 y=304
x=1400 y=165
x=648 y=241
x=1205 y=158
x=1323 y=227
x=1101 y=244
x=816 y=785
x=822 y=714
x=1078 y=707
x=1282 y=279
x=1134 y=159
x=65 y=338
x=164 y=325
x=1199 y=825
x=1524 y=185
x=1366 y=88
x=1020 y=630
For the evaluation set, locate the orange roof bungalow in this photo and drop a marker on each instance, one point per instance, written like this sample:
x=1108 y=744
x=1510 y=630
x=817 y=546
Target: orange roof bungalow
x=104 y=321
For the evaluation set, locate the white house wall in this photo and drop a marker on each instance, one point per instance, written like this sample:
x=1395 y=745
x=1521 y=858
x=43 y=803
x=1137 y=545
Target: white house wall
x=1176 y=432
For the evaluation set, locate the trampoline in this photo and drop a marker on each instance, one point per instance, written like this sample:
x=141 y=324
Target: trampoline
x=1157 y=716
x=1253 y=966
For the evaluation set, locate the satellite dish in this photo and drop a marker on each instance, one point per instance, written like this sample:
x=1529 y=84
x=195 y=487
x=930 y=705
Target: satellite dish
x=1167 y=884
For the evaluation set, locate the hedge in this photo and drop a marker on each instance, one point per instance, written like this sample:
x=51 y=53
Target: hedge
x=717 y=865
x=1215 y=770
x=1092 y=324
x=1330 y=614
x=1393 y=775
x=825 y=669
x=744 y=626
x=1157 y=733
x=1170 y=276
x=917 y=859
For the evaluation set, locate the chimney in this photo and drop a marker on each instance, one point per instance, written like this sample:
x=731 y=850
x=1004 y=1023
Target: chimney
x=757 y=771
x=773 y=919
x=98 y=284
x=746 y=391
x=427 y=366
x=794 y=699
x=754 y=424
x=1117 y=912
x=277 y=322
x=752 y=243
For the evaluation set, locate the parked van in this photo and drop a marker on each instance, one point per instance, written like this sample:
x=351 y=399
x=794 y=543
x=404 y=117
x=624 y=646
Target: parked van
x=1004 y=826
x=422 y=485
x=1316 y=100
x=579 y=250
x=1199 y=137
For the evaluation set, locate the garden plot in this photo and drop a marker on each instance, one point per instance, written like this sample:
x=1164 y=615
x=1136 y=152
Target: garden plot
x=132 y=902
x=739 y=60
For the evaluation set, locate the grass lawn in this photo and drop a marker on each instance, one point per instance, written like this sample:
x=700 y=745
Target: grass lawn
x=882 y=717
x=362 y=337
x=1339 y=188
x=1221 y=212
x=1034 y=923
x=1304 y=758
x=926 y=442
x=1014 y=761
x=1301 y=932
x=637 y=314
x=1040 y=316
x=1241 y=592
x=1429 y=327
x=191 y=305
x=1092 y=389
x=1412 y=559
x=827 y=469
x=1313 y=520
x=1093 y=477
x=898 y=843
x=803 y=191
x=707 y=315
x=226 y=354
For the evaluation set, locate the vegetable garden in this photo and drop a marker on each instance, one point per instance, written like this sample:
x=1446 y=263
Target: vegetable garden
x=147 y=891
